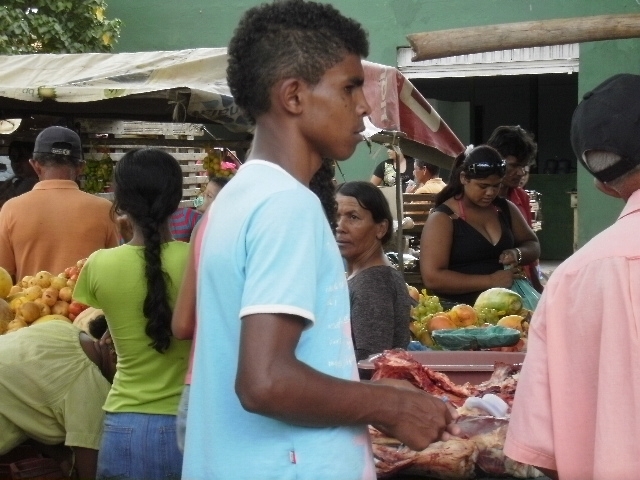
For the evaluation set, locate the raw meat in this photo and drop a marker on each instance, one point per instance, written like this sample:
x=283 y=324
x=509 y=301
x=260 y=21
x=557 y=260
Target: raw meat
x=482 y=436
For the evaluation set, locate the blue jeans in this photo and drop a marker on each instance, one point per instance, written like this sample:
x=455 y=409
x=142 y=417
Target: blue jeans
x=139 y=446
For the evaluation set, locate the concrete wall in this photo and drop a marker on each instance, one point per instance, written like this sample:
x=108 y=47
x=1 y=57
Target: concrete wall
x=170 y=25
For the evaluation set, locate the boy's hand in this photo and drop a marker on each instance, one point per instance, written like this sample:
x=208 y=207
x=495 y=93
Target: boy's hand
x=421 y=418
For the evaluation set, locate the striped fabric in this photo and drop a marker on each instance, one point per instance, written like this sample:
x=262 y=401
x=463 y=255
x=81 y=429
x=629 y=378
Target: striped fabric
x=182 y=222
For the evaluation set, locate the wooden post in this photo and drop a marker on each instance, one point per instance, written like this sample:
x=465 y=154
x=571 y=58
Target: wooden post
x=462 y=41
x=400 y=239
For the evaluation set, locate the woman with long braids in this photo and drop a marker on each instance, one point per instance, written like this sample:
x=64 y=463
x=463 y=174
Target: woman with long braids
x=136 y=286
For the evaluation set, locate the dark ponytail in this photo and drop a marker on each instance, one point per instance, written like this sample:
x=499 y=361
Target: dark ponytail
x=453 y=187
x=148 y=188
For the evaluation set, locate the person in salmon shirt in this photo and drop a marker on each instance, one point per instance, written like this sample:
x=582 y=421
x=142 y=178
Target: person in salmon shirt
x=55 y=224
x=576 y=411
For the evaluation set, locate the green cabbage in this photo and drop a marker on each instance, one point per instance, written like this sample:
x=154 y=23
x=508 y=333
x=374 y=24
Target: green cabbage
x=497 y=302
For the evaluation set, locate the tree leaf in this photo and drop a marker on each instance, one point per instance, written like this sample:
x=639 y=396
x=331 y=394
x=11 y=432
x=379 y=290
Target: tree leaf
x=56 y=26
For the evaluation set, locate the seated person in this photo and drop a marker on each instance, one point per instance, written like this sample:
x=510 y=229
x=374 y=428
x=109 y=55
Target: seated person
x=69 y=376
x=380 y=301
x=384 y=174
x=472 y=234
x=426 y=177
x=25 y=177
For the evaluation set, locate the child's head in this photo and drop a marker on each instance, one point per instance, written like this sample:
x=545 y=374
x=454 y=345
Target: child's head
x=211 y=191
x=291 y=38
x=147 y=186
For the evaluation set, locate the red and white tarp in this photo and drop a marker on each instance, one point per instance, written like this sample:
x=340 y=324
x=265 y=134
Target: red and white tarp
x=397 y=106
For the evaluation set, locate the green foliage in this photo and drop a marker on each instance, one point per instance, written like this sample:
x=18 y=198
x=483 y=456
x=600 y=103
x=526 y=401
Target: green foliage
x=56 y=26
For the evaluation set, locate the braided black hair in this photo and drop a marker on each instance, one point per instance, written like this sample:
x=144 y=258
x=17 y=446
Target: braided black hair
x=148 y=188
x=515 y=141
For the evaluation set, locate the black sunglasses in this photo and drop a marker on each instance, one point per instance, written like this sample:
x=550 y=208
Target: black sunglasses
x=484 y=169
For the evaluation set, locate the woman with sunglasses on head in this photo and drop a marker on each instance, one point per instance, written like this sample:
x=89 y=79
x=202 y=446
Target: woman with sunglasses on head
x=472 y=234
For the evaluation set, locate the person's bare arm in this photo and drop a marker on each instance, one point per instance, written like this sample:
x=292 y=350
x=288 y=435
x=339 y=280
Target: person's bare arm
x=271 y=381
x=524 y=238
x=435 y=250
x=183 y=321
x=125 y=229
x=86 y=462
x=7 y=258
x=376 y=180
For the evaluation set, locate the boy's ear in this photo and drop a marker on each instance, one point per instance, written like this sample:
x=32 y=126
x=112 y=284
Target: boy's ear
x=290 y=94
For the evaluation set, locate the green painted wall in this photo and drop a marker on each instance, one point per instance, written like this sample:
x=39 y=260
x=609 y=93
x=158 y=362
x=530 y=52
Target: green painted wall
x=170 y=25
x=598 y=61
x=556 y=241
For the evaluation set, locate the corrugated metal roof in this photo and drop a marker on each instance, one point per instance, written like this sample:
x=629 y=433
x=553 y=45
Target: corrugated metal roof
x=520 y=61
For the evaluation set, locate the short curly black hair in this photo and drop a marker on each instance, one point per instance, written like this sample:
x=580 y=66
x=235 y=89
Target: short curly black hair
x=284 y=39
x=516 y=141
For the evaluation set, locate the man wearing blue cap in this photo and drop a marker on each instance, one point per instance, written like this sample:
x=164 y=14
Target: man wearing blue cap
x=55 y=224
x=576 y=413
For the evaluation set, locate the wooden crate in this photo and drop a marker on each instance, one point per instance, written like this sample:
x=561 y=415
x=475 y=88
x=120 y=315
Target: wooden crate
x=417 y=206
x=182 y=140
x=190 y=159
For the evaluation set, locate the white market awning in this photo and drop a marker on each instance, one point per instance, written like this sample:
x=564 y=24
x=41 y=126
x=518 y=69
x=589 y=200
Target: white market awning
x=190 y=86
x=181 y=86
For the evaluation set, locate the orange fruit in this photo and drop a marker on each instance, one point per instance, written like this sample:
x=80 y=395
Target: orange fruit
x=441 y=321
x=58 y=282
x=5 y=283
x=60 y=308
x=29 y=312
x=33 y=292
x=50 y=296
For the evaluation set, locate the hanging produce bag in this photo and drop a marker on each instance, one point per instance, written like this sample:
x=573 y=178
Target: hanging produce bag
x=529 y=295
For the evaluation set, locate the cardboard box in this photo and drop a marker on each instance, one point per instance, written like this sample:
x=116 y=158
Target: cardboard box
x=461 y=367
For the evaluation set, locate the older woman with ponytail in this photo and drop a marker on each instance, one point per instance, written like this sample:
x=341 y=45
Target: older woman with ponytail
x=136 y=286
x=474 y=239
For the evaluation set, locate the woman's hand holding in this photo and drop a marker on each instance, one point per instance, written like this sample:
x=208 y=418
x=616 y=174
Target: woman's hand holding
x=503 y=278
x=510 y=257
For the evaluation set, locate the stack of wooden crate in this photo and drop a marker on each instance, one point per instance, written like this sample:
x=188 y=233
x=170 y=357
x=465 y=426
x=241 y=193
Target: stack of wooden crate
x=190 y=159
x=183 y=141
x=417 y=206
